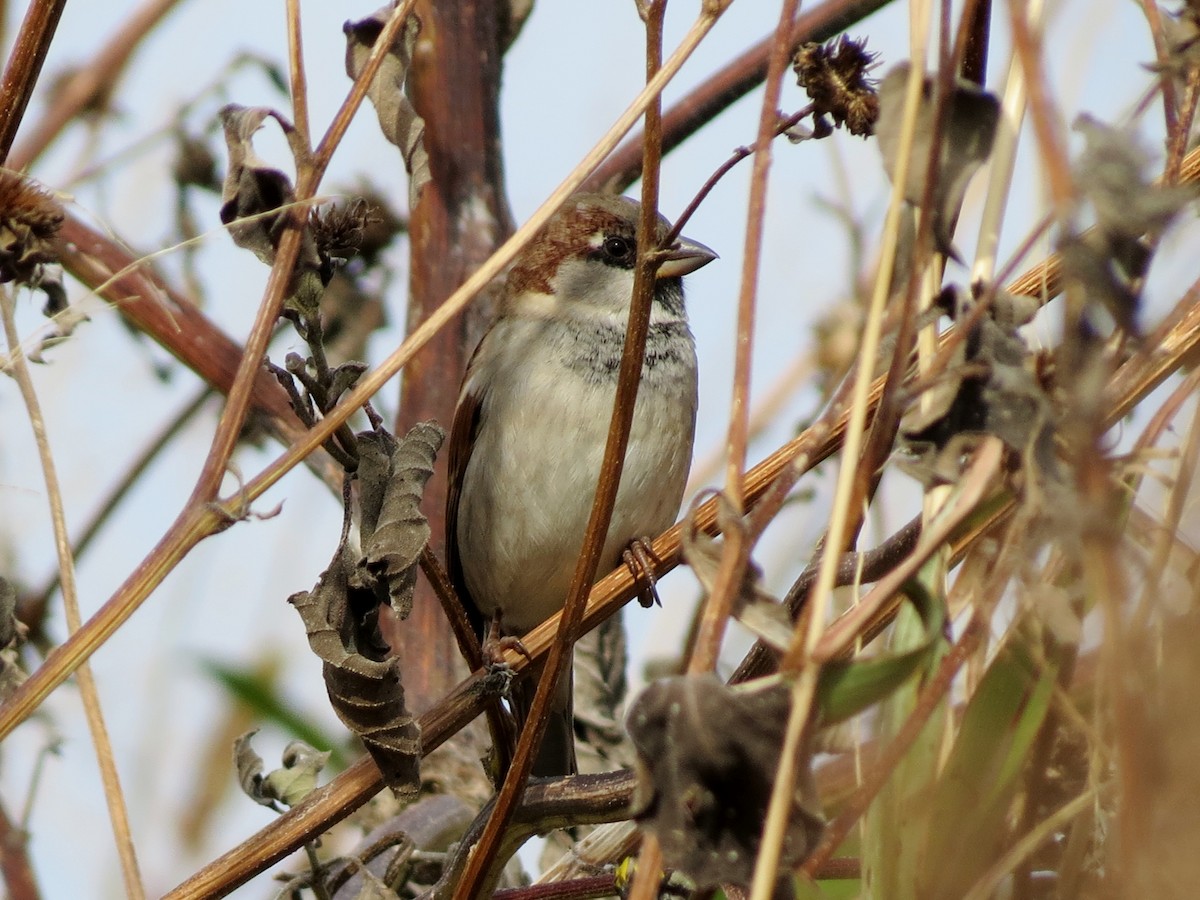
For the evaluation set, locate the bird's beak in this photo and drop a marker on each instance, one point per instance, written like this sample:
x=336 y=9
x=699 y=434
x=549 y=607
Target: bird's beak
x=684 y=258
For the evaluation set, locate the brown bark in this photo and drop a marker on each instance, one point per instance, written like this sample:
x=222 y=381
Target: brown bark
x=460 y=218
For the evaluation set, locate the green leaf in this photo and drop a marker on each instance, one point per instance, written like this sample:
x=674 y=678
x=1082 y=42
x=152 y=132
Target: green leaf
x=891 y=852
x=847 y=688
x=968 y=823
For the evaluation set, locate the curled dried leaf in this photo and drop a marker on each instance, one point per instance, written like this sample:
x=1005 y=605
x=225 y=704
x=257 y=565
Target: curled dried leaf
x=364 y=687
x=707 y=760
x=990 y=388
x=340 y=614
x=393 y=547
x=969 y=129
x=388 y=92
x=255 y=192
x=287 y=785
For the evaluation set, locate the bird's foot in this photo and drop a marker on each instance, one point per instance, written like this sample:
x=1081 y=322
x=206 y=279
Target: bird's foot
x=640 y=560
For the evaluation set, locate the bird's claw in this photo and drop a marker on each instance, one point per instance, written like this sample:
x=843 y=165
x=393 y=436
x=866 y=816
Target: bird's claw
x=640 y=560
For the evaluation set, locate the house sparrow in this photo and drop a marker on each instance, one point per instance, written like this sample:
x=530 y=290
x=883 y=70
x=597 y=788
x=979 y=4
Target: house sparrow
x=533 y=417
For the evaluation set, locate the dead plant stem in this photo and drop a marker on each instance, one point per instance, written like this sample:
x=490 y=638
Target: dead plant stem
x=115 y=799
x=23 y=68
x=296 y=73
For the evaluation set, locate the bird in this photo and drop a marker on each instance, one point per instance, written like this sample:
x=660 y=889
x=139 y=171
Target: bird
x=532 y=420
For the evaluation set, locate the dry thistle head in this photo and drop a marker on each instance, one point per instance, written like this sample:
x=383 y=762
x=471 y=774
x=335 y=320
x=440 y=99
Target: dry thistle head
x=836 y=76
x=29 y=219
x=339 y=229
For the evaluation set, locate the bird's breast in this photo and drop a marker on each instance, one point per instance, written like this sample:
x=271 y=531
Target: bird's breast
x=528 y=488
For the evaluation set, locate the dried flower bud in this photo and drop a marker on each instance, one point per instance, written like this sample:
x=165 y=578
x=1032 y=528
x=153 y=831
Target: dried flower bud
x=29 y=219
x=836 y=78
x=338 y=229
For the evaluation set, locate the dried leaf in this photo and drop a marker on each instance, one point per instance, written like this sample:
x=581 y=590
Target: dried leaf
x=298 y=776
x=253 y=188
x=969 y=128
x=990 y=388
x=12 y=635
x=1112 y=173
x=340 y=614
x=364 y=688
x=708 y=756
x=392 y=548
x=249 y=770
x=287 y=785
x=1110 y=261
x=398 y=118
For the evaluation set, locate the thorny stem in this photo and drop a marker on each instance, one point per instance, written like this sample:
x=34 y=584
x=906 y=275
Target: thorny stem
x=19 y=367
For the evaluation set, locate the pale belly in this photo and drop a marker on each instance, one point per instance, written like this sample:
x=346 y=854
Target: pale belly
x=520 y=528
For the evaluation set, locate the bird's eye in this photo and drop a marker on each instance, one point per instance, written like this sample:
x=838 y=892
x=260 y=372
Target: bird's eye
x=618 y=248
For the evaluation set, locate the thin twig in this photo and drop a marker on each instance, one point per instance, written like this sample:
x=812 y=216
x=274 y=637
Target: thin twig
x=19 y=367
x=24 y=66
x=299 y=81
x=735 y=552
x=725 y=87
x=484 y=856
x=930 y=698
x=94 y=80
x=33 y=610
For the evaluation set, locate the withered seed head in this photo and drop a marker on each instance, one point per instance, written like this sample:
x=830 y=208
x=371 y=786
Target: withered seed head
x=29 y=219
x=339 y=229
x=836 y=76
